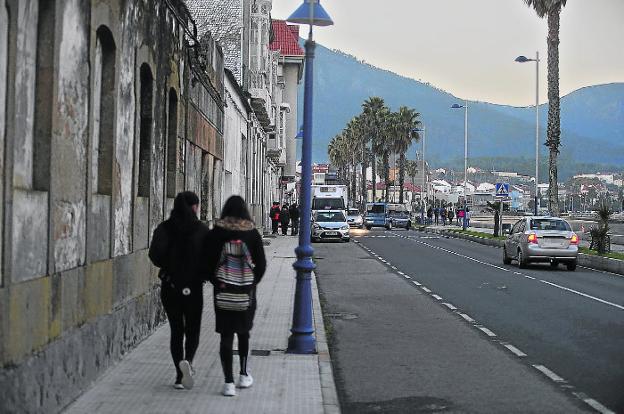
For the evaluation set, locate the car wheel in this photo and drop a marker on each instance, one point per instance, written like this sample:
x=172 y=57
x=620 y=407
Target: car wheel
x=506 y=259
x=389 y=226
x=571 y=266
x=554 y=264
x=409 y=225
x=522 y=262
x=368 y=227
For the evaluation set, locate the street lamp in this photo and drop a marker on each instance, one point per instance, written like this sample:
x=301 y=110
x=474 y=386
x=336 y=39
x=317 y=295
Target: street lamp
x=422 y=203
x=524 y=59
x=465 y=106
x=302 y=340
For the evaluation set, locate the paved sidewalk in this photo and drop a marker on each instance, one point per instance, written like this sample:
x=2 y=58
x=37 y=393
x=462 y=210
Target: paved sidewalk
x=283 y=383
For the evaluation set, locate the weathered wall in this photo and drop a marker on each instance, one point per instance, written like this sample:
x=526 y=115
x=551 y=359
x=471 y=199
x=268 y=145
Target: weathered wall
x=290 y=72
x=77 y=290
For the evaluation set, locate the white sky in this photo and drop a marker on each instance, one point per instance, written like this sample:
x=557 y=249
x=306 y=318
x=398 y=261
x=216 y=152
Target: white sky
x=468 y=47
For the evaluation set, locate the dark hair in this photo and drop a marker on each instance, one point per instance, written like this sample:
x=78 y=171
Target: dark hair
x=182 y=213
x=235 y=206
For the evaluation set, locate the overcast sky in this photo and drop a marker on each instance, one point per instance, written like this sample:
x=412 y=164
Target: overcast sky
x=468 y=47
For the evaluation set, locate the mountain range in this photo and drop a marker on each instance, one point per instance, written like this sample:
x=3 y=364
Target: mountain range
x=500 y=136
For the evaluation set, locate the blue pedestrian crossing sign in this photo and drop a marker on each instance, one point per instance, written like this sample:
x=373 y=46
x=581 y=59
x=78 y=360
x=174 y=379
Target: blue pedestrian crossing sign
x=502 y=189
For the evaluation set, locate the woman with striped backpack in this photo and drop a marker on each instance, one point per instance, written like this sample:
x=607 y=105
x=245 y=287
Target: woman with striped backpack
x=236 y=264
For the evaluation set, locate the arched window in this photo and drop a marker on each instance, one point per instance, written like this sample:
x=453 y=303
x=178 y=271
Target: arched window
x=43 y=95
x=145 y=133
x=172 y=143
x=104 y=108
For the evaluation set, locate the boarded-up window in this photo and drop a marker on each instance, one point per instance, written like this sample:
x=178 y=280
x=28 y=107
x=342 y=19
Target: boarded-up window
x=105 y=105
x=172 y=150
x=145 y=133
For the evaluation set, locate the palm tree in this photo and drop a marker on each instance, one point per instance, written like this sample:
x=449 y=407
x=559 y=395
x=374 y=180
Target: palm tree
x=552 y=10
x=406 y=122
x=337 y=150
x=385 y=145
x=411 y=169
x=374 y=112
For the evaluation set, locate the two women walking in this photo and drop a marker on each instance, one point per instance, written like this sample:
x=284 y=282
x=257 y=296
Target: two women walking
x=231 y=257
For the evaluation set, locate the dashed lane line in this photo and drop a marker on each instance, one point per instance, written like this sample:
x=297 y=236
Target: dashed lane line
x=593 y=403
x=583 y=294
x=486 y=331
x=515 y=350
x=466 y=317
x=425 y=289
x=450 y=306
x=437 y=297
x=416 y=283
x=548 y=373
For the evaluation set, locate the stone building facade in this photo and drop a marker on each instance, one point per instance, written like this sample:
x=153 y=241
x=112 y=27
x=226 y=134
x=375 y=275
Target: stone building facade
x=108 y=108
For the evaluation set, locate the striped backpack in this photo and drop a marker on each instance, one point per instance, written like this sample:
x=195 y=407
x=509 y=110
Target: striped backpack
x=235 y=277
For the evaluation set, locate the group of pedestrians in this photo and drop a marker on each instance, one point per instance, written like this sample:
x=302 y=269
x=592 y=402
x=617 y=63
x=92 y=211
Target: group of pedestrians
x=231 y=257
x=282 y=217
x=442 y=215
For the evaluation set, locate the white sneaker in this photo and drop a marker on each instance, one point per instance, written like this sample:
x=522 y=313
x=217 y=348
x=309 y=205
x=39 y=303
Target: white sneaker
x=229 y=390
x=187 y=375
x=178 y=386
x=244 y=381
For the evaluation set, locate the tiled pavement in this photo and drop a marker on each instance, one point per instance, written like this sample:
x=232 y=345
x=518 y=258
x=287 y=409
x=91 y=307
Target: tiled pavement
x=283 y=383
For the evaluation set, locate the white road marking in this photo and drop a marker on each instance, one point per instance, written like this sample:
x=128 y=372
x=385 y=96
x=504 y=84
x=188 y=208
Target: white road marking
x=487 y=331
x=466 y=317
x=515 y=351
x=416 y=283
x=548 y=373
x=518 y=273
x=393 y=267
x=401 y=273
x=583 y=294
x=529 y=277
x=593 y=404
x=406 y=276
x=436 y=297
x=425 y=289
x=450 y=306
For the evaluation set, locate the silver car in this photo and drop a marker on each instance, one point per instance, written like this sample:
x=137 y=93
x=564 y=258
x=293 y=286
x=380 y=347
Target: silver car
x=354 y=218
x=329 y=225
x=541 y=239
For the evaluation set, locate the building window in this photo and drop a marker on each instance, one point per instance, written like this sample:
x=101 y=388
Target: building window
x=172 y=135
x=44 y=84
x=145 y=133
x=104 y=105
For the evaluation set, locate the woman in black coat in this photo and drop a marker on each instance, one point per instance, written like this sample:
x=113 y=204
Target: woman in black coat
x=285 y=219
x=235 y=225
x=176 y=249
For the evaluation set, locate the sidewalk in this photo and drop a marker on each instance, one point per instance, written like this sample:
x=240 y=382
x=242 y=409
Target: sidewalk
x=283 y=383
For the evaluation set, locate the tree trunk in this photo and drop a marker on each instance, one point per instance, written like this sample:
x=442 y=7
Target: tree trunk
x=374 y=172
x=401 y=176
x=353 y=184
x=364 y=189
x=554 y=126
x=386 y=167
x=496 y=223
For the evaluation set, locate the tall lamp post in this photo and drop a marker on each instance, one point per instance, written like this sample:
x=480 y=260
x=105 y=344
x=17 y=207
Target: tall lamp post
x=524 y=59
x=302 y=340
x=422 y=200
x=465 y=106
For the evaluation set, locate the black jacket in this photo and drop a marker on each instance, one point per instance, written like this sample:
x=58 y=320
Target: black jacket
x=179 y=252
x=294 y=212
x=284 y=215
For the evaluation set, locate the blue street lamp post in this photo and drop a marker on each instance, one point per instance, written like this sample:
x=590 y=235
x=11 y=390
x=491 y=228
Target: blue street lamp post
x=465 y=106
x=424 y=179
x=302 y=340
x=524 y=59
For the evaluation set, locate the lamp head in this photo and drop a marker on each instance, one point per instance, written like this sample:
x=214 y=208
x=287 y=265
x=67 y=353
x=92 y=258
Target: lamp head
x=311 y=12
x=300 y=133
x=522 y=59
x=456 y=106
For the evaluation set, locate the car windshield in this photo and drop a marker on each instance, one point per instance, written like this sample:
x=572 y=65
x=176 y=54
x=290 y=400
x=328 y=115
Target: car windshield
x=330 y=216
x=327 y=204
x=353 y=212
x=398 y=213
x=376 y=208
x=549 y=224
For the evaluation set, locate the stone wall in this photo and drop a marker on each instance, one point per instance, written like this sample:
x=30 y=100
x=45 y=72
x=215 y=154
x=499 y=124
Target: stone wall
x=96 y=99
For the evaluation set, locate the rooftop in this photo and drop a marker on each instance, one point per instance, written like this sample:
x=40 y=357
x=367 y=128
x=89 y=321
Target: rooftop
x=286 y=39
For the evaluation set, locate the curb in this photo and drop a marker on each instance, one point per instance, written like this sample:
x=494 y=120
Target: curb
x=329 y=394
x=606 y=264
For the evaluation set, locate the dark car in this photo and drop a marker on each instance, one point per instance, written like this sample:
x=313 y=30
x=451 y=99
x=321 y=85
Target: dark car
x=399 y=219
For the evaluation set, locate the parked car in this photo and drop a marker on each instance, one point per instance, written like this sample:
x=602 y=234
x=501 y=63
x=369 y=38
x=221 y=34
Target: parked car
x=354 y=218
x=541 y=239
x=376 y=215
x=399 y=219
x=330 y=225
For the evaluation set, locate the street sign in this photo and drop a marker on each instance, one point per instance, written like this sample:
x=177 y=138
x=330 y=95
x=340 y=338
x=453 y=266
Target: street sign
x=502 y=190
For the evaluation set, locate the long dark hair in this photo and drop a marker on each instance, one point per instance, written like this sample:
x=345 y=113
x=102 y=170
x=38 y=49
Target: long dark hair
x=236 y=207
x=182 y=214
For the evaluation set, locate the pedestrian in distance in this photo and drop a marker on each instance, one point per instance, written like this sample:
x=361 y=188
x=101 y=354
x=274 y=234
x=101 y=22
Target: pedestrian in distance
x=284 y=219
x=460 y=216
x=443 y=215
x=467 y=217
x=294 y=219
x=236 y=264
x=274 y=215
x=429 y=215
x=177 y=249
x=450 y=215
x=436 y=214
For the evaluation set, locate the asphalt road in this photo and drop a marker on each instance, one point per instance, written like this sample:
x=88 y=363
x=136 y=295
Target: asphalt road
x=570 y=323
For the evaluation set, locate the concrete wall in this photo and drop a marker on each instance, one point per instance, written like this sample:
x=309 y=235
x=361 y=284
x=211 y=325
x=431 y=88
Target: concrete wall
x=77 y=289
x=291 y=79
x=234 y=135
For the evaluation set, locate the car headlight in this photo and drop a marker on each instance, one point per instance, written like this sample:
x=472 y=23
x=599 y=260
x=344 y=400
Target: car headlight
x=345 y=227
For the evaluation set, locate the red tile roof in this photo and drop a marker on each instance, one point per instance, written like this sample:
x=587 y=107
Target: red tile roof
x=286 y=38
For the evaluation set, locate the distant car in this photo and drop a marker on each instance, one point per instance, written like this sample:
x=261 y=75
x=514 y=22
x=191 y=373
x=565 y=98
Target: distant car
x=354 y=218
x=330 y=225
x=541 y=239
x=399 y=219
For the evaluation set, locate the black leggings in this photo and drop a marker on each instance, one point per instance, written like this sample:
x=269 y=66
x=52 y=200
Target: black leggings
x=184 y=314
x=226 y=353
